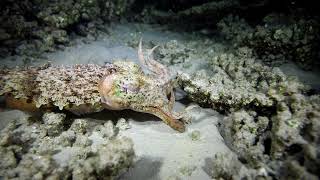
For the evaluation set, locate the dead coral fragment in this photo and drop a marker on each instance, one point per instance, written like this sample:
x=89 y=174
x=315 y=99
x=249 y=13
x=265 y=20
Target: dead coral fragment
x=238 y=80
x=278 y=39
x=54 y=123
x=76 y=153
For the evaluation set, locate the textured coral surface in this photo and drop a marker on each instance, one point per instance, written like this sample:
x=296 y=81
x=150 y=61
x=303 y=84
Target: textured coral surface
x=279 y=38
x=52 y=148
x=271 y=119
x=47 y=25
x=249 y=69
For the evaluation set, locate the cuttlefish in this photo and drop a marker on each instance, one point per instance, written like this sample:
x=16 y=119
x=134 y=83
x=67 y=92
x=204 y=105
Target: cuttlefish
x=131 y=88
x=90 y=88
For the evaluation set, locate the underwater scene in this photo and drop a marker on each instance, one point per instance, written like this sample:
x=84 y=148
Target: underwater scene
x=159 y=90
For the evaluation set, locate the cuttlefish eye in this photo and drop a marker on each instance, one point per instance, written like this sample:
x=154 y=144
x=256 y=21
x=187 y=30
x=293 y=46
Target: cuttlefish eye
x=105 y=88
x=105 y=85
x=129 y=86
x=117 y=90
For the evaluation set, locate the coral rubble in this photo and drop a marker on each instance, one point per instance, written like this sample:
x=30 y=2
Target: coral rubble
x=236 y=81
x=46 y=25
x=286 y=141
x=277 y=39
x=271 y=120
x=37 y=150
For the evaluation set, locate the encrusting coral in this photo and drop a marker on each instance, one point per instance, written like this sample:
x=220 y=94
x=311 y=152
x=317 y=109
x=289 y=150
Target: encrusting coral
x=271 y=122
x=286 y=139
x=47 y=25
x=44 y=149
x=277 y=39
x=235 y=81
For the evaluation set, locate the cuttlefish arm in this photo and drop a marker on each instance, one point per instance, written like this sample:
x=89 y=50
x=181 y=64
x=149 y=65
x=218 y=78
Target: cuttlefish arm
x=172 y=100
x=163 y=73
x=158 y=69
x=168 y=118
x=154 y=66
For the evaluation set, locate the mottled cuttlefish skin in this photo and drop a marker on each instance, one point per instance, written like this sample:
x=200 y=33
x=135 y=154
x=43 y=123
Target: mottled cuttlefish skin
x=90 y=88
x=132 y=89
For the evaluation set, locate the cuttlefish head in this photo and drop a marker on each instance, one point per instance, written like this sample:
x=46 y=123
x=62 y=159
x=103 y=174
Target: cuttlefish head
x=132 y=89
x=118 y=88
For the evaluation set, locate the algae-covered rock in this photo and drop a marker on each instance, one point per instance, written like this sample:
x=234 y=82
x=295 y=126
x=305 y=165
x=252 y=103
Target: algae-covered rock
x=295 y=123
x=244 y=131
x=271 y=120
x=174 y=52
x=33 y=27
x=235 y=81
x=235 y=29
x=54 y=123
x=122 y=124
x=227 y=166
x=79 y=126
x=294 y=138
x=277 y=39
x=283 y=139
x=73 y=154
x=106 y=130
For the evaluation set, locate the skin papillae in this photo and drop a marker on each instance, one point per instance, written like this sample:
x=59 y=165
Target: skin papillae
x=90 y=88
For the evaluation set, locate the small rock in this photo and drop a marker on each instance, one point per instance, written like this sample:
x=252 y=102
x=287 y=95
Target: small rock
x=54 y=123
x=107 y=130
x=79 y=126
x=187 y=170
x=195 y=135
x=122 y=124
x=82 y=141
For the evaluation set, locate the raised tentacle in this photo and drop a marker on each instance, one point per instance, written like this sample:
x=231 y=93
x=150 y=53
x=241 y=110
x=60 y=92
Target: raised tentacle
x=140 y=54
x=154 y=66
x=157 y=67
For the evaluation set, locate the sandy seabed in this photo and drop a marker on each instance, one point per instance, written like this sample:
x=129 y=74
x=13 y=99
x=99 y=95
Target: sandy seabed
x=161 y=153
